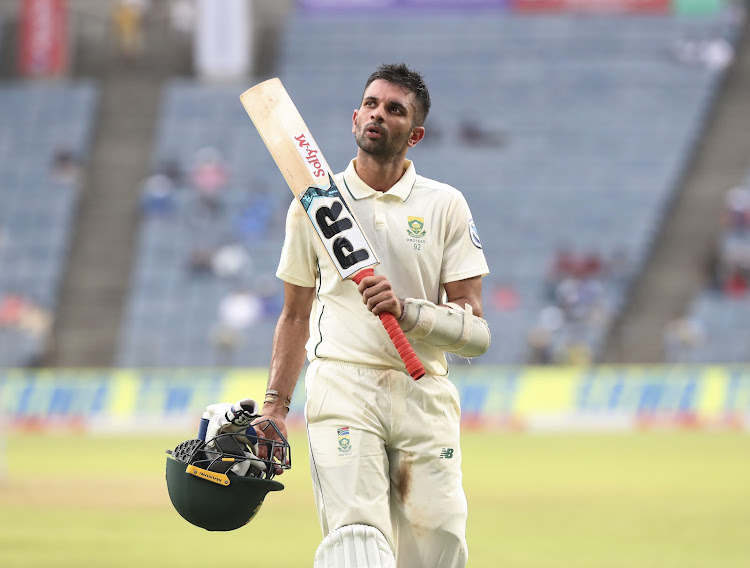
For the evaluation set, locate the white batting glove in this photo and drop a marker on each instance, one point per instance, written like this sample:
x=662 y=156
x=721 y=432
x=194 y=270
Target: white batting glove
x=226 y=417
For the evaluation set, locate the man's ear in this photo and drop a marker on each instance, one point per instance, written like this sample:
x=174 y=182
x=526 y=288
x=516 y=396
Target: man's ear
x=354 y=121
x=417 y=133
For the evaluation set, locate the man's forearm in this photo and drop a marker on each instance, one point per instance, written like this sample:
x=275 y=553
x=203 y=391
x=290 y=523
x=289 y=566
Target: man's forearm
x=287 y=359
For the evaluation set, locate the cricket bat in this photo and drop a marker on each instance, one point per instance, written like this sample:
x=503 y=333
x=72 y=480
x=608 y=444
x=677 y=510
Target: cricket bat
x=306 y=172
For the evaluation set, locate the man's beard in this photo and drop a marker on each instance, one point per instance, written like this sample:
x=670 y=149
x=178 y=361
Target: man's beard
x=381 y=147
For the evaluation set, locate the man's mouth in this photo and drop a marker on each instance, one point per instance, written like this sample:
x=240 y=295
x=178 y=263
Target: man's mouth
x=373 y=131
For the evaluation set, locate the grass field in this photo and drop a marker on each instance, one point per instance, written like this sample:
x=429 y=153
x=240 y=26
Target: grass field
x=643 y=500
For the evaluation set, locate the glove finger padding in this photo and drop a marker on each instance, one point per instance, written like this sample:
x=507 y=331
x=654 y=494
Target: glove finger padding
x=243 y=412
x=226 y=417
x=450 y=327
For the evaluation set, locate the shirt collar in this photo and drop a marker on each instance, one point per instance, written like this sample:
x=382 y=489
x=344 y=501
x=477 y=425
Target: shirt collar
x=360 y=190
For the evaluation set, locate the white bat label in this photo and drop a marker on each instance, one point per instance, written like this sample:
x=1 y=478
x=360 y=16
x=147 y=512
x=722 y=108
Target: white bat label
x=339 y=232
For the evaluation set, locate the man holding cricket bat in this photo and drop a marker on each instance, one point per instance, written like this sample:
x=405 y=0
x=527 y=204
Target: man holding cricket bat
x=384 y=448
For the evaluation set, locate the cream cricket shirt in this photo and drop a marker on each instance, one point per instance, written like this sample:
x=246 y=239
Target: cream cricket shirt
x=423 y=234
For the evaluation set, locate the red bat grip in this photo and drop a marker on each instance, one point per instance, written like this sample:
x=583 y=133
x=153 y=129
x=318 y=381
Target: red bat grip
x=413 y=364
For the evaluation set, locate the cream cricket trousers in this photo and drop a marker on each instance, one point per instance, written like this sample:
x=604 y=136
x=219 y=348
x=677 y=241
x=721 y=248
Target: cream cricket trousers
x=384 y=451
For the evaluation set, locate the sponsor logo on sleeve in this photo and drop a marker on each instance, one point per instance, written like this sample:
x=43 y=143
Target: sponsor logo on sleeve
x=474 y=234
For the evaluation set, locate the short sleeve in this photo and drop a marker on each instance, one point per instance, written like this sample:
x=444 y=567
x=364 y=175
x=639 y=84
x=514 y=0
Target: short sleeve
x=298 y=262
x=463 y=256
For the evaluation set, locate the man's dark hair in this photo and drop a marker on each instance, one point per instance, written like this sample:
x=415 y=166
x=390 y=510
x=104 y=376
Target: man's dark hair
x=409 y=79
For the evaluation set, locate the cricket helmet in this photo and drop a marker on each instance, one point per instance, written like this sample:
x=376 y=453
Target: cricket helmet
x=220 y=485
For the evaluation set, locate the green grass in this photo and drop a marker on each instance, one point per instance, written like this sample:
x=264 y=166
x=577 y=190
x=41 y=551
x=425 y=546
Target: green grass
x=642 y=500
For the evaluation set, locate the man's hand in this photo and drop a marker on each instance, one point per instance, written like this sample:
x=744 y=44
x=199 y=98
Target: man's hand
x=379 y=296
x=266 y=431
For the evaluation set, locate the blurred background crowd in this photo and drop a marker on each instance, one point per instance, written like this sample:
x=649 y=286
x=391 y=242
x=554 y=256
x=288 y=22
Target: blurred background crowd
x=599 y=144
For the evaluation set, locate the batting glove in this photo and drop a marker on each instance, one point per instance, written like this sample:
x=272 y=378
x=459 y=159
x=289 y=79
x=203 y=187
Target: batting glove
x=226 y=417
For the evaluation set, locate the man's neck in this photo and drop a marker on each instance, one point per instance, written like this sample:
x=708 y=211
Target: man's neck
x=381 y=176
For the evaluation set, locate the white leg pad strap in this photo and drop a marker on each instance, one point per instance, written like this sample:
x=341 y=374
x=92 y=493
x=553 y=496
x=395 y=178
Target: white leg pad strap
x=354 y=546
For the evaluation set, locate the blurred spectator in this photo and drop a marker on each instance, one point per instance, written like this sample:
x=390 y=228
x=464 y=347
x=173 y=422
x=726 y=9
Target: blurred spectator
x=433 y=133
x=617 y=266
x=728 y=265
x=271 y=294
x=35 y=320
x=542 y=338
x=20 y=313
x=681 y=339
x=157 y=196
x=66 y=166
x=717 y=53
x=564 y=264
x=472 y=133
x=182 y=17
x=230 y=261
x=504 y=297
x=540 y=347
x=171 y=168
x=737 y=210
x=200 y=260
x=254 y=222
x=591 y=265
x=577 y=352
x=714 y=53
x=238 y=311
x=736 y=283
x=577 y=285
x=209 y=177
x=11 y=307
x=128 y=18
x=735 y=250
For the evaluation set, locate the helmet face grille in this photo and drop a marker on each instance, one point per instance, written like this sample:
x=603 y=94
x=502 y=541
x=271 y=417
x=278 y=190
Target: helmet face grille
x=185 y=451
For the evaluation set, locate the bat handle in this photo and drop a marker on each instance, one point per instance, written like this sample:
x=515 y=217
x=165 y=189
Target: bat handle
x=408 y=356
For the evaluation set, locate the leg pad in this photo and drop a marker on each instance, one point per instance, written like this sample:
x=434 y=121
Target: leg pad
x=354 y=546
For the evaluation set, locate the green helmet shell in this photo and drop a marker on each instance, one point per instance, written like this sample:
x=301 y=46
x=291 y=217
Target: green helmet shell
x=212 y=506
x=220 y=485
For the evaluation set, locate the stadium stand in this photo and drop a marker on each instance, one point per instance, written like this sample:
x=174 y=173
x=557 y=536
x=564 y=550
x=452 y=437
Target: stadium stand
x=586 y=127
x=715 y=328
x=191 y=255
x=45 y=134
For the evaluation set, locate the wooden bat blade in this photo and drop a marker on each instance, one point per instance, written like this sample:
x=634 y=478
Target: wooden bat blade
x=279 y=122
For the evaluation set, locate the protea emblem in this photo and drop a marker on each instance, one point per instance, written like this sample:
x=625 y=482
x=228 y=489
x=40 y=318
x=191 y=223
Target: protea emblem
x=416 y=227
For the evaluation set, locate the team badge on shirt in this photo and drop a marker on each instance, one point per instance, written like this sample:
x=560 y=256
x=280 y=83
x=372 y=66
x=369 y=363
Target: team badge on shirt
x=416 y=227
x=474 y=234
x=416 y=231
x=345 y=443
